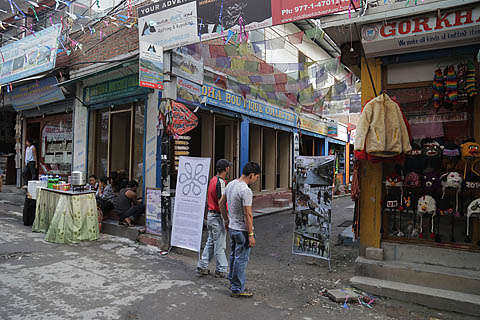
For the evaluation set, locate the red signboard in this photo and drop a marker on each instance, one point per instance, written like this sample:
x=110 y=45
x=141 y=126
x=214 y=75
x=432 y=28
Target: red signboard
x=285 y=11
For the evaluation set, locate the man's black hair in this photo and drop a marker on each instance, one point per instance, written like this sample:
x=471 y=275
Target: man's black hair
x=132 y=184
x=92 y=176
x=251 y=167
x=104 y=180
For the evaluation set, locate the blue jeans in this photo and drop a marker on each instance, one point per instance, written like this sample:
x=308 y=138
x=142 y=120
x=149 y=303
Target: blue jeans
x=216 y=243
x=239 y=253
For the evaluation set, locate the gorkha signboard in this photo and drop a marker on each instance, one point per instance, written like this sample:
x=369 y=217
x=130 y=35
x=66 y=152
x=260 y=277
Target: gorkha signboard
x=432 y=31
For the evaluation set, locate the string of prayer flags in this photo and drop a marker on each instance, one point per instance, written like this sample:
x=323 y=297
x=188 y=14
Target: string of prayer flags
x=251 y=66
x=238 y=65
x=275 y=44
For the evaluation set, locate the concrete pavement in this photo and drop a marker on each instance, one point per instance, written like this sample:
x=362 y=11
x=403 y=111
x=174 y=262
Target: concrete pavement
x=115 y=278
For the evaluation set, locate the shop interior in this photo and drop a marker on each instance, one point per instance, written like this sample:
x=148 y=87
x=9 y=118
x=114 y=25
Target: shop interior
x=429 y=197
x=117 y=139
x=53 y=139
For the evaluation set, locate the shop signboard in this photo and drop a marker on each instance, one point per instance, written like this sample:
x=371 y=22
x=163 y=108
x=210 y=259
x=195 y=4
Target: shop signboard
x=169 y=23
x=35 y=94
x=188 y=91
x=114 y=89
x=151 y=65
x=28 y=56
x=190 y=196
x=186 y=66
x=285 y=11
x=153 y=211
x=313 y=125
x=313 y=206
x=427 y=32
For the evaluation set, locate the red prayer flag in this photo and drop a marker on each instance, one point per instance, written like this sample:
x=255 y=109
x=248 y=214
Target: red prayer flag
x=296 y=38
x=265 y=68
x=217 y=51
x=281 y=78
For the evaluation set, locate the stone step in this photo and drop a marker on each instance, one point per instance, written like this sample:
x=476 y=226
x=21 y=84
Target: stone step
x=441 y=256
x=113 y=228
x=281 y=202
x=454 y=279
x=431 y=297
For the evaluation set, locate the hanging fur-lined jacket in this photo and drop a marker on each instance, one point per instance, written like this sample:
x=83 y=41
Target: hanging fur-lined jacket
x=381 y=130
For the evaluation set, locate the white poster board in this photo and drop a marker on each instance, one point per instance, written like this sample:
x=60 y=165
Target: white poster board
x=153 y=211
x=190 y=196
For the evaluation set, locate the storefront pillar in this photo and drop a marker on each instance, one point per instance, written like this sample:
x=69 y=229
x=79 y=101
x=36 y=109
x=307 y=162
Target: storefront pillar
x=370 y=173
x=325 y=148
x=318 y=147
x=244 y=141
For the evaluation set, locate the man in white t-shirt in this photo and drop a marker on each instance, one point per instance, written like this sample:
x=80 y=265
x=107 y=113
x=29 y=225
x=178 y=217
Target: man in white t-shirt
x=239 y=198
x=31 y=162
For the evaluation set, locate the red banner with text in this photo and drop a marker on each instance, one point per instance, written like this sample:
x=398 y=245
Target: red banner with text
x=285 y=11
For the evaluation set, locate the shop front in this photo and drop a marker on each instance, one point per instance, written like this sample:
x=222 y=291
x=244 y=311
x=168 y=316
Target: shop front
x=421 y=210
x=116 y=134
x=45 y=115
x=241 y=130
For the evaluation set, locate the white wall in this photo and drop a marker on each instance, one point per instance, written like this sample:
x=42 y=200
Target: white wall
x=150 y=161
x=417 y=71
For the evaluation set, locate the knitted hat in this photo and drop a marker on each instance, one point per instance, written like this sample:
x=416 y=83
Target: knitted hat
x=470 y=80
x=412 y=180
x=413 y=161
x=461 y=84
x=438 y=88
x=431 y=182
x=451 y=84
x=473 y=208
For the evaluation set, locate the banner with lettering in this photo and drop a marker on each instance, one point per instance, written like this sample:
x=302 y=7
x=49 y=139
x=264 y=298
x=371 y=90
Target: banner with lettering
x=188 y=91
x=285 y=11
x=413 y=34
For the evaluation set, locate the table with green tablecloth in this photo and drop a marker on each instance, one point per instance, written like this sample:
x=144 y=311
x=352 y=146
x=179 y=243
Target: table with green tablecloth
x=66 y=216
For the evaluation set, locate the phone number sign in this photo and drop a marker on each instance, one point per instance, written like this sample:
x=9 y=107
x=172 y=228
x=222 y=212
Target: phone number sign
x=285 y=11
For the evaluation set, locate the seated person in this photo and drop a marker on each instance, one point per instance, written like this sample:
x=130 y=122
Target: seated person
x=127 y=205
x=105 y=195
x=92 y=183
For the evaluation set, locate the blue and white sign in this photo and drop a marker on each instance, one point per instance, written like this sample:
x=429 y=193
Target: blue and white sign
x=29 y=56
x=35 y=94
x=189 y=92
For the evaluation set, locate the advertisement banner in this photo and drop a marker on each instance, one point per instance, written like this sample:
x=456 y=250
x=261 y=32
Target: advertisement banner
x=28 y=56
x=313 y=206
x=35 y=94
x=332 y=128
x=153 y=211
x=190 y=196
x=187 y=92
x=313 y=125
x=413 y=34
x=285 y=11
x=151 y=65
x=185 y=66
x=168 y=23
x=235 y=15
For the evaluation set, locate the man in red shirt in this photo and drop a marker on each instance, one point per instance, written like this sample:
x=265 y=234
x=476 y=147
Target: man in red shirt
x=216 y=224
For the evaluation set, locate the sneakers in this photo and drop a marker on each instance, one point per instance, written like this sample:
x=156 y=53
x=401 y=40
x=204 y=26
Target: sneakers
x=203 y=272
x=243 y=294
x=219 y=274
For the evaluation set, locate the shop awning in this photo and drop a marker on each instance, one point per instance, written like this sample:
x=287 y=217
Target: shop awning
x=107 y=66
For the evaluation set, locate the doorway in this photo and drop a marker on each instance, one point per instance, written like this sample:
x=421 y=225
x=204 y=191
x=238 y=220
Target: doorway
x=119 y=141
